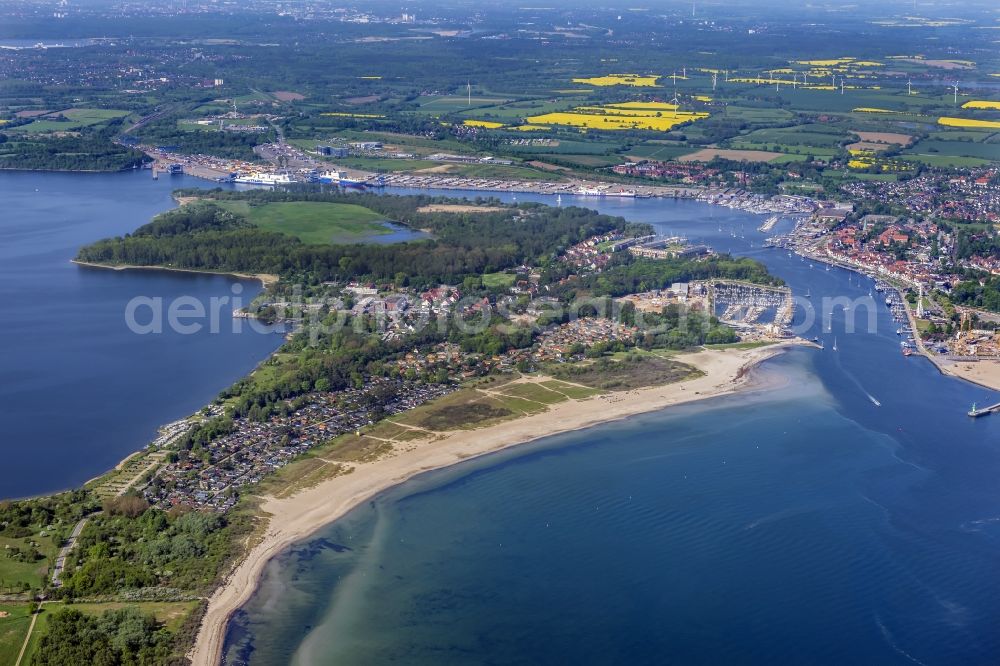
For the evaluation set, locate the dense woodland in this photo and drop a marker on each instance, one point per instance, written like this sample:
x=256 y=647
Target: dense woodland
x=90 y=151
x=203 y=236
x=130 y=546
x=122 y=637
x=973 y=293
x=230 y=145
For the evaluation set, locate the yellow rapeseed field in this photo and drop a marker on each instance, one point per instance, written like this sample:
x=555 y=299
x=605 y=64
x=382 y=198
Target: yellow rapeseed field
x=531 y=128
x=487 y=124
x=831 y=62
x=981 y=104
x=871 y=109
x=620 y=80
x=968 y=122
x=615 y=119
x=636 y=113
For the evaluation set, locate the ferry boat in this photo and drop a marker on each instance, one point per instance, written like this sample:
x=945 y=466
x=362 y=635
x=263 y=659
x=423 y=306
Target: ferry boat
x=620 y=193
x=342 y=179
x=588 y=192
x=267 y=179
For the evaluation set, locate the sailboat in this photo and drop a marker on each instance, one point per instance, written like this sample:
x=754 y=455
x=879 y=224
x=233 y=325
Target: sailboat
x=808 y=295
x=834 y=343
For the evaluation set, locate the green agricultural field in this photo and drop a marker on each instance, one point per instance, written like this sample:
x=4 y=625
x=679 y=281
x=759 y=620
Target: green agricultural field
x=945 y=160
x=963 y=135
x=986 y=151
x=452 y=103
x=74 y=119
x=757 y=115
x=509 y=113
x=314 y=222
x=801 y=135
x=662 y=151
x=816 y=151
x=587 y=161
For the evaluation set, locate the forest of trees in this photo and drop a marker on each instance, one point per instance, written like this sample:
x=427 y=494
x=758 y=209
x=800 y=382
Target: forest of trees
x=90 y=151
x=120 y=637
x=985 y=296
x=133 y=546
x=631 y=275
x=229 y=145
x=204 y=236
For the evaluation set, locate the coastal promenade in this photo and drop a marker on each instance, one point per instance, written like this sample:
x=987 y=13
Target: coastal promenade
x=294 y=518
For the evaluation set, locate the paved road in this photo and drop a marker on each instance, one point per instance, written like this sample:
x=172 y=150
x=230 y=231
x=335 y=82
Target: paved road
x=64 y=552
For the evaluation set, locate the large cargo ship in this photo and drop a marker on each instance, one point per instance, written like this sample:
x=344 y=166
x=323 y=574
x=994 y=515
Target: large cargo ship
x=342 y=179
x=268 y=179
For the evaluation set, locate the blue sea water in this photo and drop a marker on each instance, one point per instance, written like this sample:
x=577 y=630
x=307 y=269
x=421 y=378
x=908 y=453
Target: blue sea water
x=79 y=391
x=850 y=515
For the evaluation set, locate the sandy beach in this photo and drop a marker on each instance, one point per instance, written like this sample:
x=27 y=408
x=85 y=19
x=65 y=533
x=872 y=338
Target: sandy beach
x=264 y=278
x=984 y=372
x=294 y=518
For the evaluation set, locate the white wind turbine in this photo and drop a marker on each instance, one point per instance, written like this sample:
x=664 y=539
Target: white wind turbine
x=676 y=104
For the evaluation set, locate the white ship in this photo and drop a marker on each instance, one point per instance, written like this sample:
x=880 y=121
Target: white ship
x=340 y=178
x=268 y=179
x=589 y=192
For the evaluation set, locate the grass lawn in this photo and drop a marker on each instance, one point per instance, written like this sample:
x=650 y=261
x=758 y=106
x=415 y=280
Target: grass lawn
x=569 y=390
x=533 y=392
x=12 y=572
x=13 y=629
x=631 y=372
x=495 y=280
x=313 y=221
x=464 y=409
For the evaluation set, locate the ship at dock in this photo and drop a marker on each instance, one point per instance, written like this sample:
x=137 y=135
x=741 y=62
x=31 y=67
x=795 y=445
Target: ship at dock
x=342 y=179
x=597 y=192
x=265 y=179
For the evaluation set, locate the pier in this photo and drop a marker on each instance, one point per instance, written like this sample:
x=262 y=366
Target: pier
x=983 y=411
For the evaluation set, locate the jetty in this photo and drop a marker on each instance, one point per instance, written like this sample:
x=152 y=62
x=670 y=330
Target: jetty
x=983 y=411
